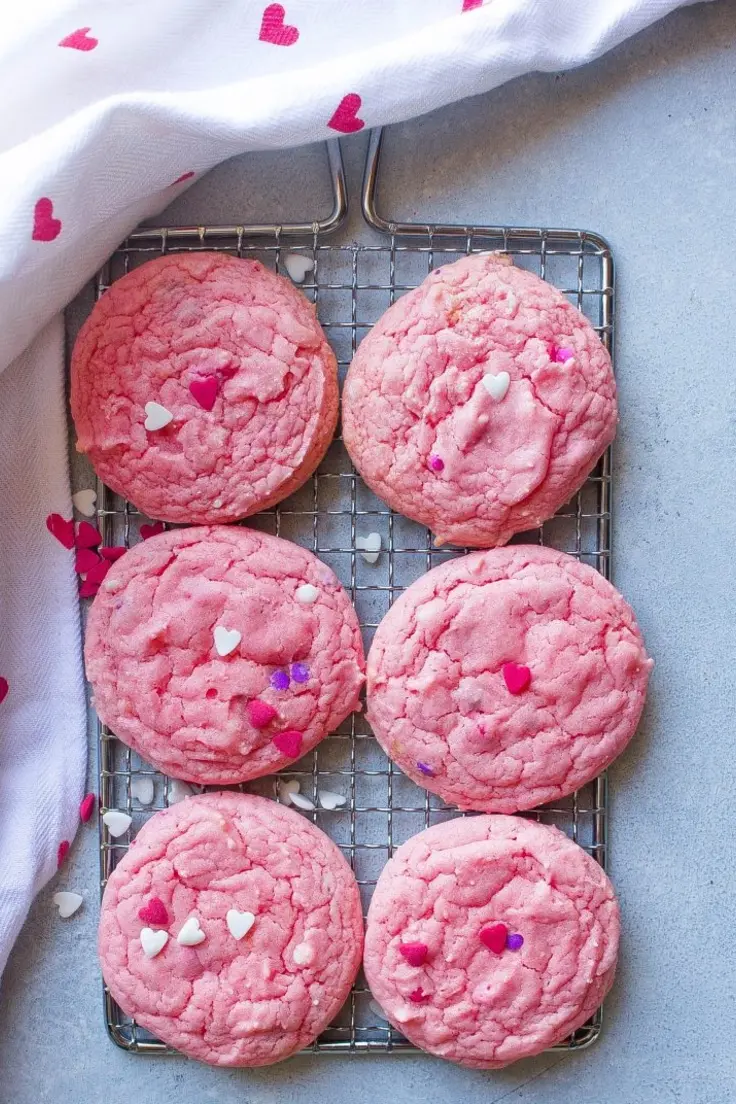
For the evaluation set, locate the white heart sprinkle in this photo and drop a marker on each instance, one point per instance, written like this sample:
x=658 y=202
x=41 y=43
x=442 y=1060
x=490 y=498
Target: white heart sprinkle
x=85 y=502
x=117 y=822
x=329 y=800
x=285 y=789
x=178 y=790
x=370 y=547
x=153 y=942
x=67 y=902
x=377 y=1010
x=239 y=923
x=226 y=640
x=142 y=790
x=297 y=265
x=497 y=386
x=303 y=953
x=306 y=594
x=191 y=934
x=302 y=802
x=157 y=416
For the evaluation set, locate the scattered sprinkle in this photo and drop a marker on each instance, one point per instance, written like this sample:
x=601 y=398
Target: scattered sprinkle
x=67 y=903
x=191 y=935
x=154 y=912
x=239 y=923
x=414 y=953
x=306 y=594
x=285 y=788
x=85 y=559
x=369 y=547
x=62 y=852
x=4 y=687
x=157 y=416
x=436 y=463
x=178 y=790
x=142 y=790
x=116 y=822
x=297 y=265
x=497 y=386
x=289 y=743
x=279 y=680
x=562 y=356
x=425 y=769
x=302 y=802
x=330 y=800
x=204 y=391
x=226 y=640
x=152 y=530
x=113 y=553
x=88 y=589
x=86 y=807
x=84 y=501
x=514 y=941
x=97 y=572
x=517 y=678
x=299 y=672
x=494 y=937
x=62 y=529
x=153 y=942
x=303 y=954
x=418 y=996
x=260 y=713
x=88 y=536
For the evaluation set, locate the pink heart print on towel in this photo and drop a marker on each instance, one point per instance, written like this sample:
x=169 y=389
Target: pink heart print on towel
x=45 y=226
x=345 y=118
x=80 y=40
x=275 y=29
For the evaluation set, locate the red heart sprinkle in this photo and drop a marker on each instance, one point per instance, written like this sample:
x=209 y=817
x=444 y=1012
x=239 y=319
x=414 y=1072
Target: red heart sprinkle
x=45 y=226
x=85 y=559
x=418 y=996
x=494 y=937
x=62 y=853
x=516 y=678
x=154 y=913
x=182 y=178
x=62 y=529
x=345 y=118
x=80 y=40
x=86 y=807
x=289 y=743
x=114 y=553
x=4 y=687
x=97 y=573
x=274 y=29
x=88 y=536
x=260 y=713
x=88 y=589
x=151 y=530
x=414 y=953
x=205 y=391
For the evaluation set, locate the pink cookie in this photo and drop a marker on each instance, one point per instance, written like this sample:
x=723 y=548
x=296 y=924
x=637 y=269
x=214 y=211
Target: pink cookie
x=235 y=355
x=520 y=928
x=222 y=654
x=507 y=678
x=250 y=935
x=479 y=402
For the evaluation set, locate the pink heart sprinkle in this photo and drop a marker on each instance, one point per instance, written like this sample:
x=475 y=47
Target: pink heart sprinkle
x=4 y=687
x=88 y=536
x=260 y=713
x=154 y=913
x=563 y=355
x=62 y=853
x=345 y=118
x=418 y=996
x=470 y=5
x=151 y=530
x=86 y=807
x=85 y=559
x=289 y=743
x=80 y=40
x=205 y=391
x=494 y=937
x=114 y=553
x=46 y=228
x=88 y=589
x=516 y=678
x=62 y=529
x=98 y=572
x=414 y=953
x=274 y=29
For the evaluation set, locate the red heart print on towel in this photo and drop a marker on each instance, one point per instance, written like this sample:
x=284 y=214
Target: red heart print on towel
x=62 y=529
x=80 y=39
x=45 y=226
x=3 y=689
x=468 y=5
x=274 y=29
x=346 y=118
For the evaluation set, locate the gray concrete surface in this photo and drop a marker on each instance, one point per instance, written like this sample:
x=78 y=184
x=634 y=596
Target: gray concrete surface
x=641 y=147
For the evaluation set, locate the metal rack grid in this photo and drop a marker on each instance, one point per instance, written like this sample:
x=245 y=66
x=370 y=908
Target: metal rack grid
x=351 y=286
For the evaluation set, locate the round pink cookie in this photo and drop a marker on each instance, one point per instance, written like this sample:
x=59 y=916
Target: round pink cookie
x=273 y=936
x=235 y=355
x=490 y=938
x=479 y=402
x=508 y=678
x=222 y=654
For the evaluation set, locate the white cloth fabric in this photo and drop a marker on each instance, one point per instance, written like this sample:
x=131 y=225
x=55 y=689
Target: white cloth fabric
x=105 y=106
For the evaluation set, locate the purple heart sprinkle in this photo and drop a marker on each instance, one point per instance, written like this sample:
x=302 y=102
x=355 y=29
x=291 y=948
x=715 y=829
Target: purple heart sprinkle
x=299 y=672
x=514 y=941
x=426 y=769
x=280 y=680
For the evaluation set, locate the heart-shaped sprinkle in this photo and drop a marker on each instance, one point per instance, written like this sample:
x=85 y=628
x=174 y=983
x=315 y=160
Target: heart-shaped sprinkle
x=154 y=912
x=153 y=530
x=470 y=5
x=303 y=954
x=279 y=680
x=345 y=117
x=62 y=852
x=274 y=29
x=297 y=265
x=178 y=791
x=88 y=589
x=370 y=547
x=514 y=941
x=97 y=572
x=289 y=743
x=330 y=800
x=436 y=463
x=239 y=923
x=4 y=687
x=157 y=416
x=425 y=769
x=418 y=996
x=299 y=672
x=153 y=942
x=286 y=788
x=67 y=903
x=260 y=713
x=191 y=935
x=85 y=559
x=204 y=391
x=414 y=953
x=46 y=228
x=497 y=386
x=62 y=529
x=306 y=594
x=87 y=807
x=117 y=823
x=88 y=536
x=517 y=678
x=226 y=640
x=80 y=39
x=113 y=553
x=562 y=356
x=142 y=790
x=302 y=802
x=85 y=501
x=494 y=937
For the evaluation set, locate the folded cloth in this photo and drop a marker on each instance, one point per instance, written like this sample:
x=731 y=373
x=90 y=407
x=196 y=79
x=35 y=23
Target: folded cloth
x=109 y=110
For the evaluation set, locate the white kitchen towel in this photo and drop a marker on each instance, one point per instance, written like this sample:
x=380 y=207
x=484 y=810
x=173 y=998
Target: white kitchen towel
x=109 y=108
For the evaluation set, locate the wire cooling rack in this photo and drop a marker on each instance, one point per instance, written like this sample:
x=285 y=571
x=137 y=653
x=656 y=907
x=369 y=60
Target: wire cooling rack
x=351 y=286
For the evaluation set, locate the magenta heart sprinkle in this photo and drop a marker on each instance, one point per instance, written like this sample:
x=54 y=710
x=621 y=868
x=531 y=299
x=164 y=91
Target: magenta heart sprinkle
x=436 y=463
